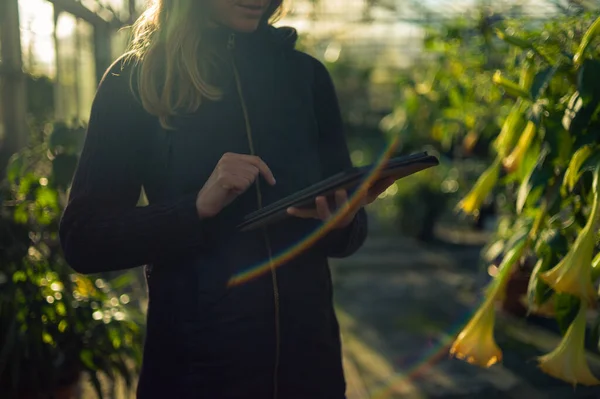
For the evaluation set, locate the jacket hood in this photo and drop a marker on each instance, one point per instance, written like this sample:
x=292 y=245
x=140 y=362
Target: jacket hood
x=285 y=37
x=282 y=38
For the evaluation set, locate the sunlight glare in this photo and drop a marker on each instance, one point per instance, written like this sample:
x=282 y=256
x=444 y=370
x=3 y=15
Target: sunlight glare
x=65 y=26
x=332 y=54
x=36 y=17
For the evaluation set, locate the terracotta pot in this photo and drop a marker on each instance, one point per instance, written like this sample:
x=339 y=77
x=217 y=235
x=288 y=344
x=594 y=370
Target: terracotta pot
x=72 y=391
x=516 y=289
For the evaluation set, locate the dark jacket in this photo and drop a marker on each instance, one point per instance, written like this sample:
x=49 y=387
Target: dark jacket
x=275 y=334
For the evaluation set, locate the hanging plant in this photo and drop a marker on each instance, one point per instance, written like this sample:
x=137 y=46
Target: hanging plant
x=551 y=170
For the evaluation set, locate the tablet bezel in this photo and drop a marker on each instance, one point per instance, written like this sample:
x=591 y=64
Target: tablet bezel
x=349 y=179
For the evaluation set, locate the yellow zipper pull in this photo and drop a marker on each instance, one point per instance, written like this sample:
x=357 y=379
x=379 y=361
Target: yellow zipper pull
x=231 y=42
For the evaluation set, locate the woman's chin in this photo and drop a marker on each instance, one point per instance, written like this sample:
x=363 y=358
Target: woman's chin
x=241 y=22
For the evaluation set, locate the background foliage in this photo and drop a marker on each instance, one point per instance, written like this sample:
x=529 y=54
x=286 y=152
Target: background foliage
x=55 y=324
x=539 y=132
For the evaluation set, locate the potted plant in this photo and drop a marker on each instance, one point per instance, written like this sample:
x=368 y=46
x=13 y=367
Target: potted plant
x=422 y=199
x=55 y=325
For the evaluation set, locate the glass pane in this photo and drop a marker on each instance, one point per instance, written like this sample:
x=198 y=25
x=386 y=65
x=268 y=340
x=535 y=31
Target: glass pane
x=66 y=97
x=37 y=42
x=86 y=68
x=141 y=5
x=76 y=68
x=76 y=78
x=1 y=82
x=119 y=42
x=119 y=7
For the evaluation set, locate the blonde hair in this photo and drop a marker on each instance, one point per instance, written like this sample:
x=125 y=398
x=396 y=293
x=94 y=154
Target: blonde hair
x=172 y=74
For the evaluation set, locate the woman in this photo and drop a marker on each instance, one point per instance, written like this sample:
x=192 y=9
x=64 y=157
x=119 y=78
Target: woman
x=215 y=114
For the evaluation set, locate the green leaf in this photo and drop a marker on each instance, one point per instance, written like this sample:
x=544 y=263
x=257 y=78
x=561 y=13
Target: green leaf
x=541 y=81
x=552 y=195
x=550 y=248
x=558 y=139
x=538 y=291
x=527 y=73
x=596 y=267
x=510 y=87
x=513 y=123
x=588 y=83
x=124 y=371
x=66 y=139
x=518 y=237
x=579 y=114
x=591 y=163
x=123 y=281
x=592 y=31
x=574 y=106
x=592 y=136
x=46 y=197
x=566 y=307
x=536 y=113
x=115 y=338
x=530 y=158
x=104 y=365
x=552 y=242
x=534 y=183
x=15 y=168
x=63 y=168
x=514 y=40
x=511 y=256
x=456 y=99
x=96 y=384
x=574 y=172
x=595 y=332
x=87 y=358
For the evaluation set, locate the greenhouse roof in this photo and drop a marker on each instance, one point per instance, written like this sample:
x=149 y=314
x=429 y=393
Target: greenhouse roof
x=390 y=30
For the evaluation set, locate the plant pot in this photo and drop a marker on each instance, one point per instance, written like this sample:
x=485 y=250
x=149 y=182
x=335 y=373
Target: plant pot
x=70 y=388
x=72 y=391
x=516 y=289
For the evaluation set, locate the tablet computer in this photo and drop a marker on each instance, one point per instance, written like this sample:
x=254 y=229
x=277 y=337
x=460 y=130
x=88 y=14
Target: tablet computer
x=350 y=180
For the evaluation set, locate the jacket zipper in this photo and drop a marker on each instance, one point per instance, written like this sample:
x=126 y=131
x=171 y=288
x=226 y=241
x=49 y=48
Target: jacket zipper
x=231 y=47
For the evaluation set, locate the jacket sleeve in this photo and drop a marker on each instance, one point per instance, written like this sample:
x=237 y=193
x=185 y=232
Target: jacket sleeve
x=101 y=228
x=335 y=158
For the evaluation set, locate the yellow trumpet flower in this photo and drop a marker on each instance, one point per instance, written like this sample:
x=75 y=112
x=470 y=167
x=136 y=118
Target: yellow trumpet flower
x=84 y=286
x=505 y=140
x=592 y=32
x=596 y=267
x=567 y=362
x=476 y=343
x=574 y=172
x=546 y=309
x=573 y=274
x=469 y=141
x=512 y=162
x=471 y=203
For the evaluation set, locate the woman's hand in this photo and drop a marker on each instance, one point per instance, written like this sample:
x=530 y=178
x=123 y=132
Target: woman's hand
x=349 y=209
x=232 y=176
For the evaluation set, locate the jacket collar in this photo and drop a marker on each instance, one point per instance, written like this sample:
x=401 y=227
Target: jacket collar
x=222 y=37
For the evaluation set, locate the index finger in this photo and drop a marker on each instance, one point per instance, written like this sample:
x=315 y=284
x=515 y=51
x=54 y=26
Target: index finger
x=265 y=171
x=263 y=168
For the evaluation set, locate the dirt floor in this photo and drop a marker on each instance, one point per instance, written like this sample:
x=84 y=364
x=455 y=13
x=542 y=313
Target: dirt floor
x=400 y=303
